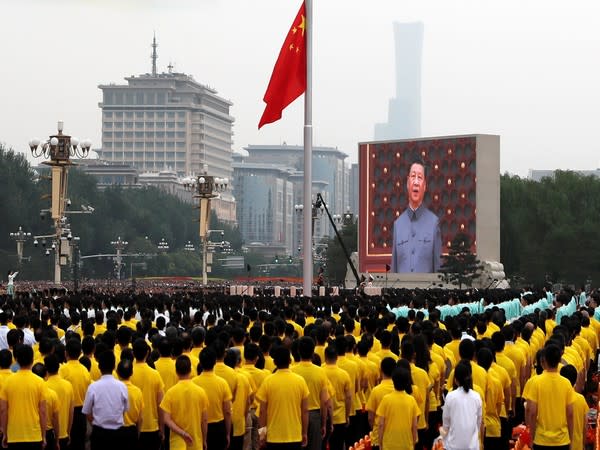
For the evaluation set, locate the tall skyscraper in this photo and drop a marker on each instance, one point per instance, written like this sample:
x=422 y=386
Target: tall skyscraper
x=166 y=121
x=404 y=114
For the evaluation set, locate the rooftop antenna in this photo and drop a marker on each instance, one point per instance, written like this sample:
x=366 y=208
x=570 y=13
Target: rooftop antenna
x=154 y=55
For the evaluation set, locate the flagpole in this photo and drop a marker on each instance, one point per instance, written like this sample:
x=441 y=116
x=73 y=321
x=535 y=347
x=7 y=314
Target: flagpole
x=308 y=238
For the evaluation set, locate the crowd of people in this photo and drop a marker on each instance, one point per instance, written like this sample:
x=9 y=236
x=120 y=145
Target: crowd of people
x=185 y=369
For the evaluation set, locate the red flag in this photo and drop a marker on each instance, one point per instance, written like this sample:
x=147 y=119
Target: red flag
x=288 y=80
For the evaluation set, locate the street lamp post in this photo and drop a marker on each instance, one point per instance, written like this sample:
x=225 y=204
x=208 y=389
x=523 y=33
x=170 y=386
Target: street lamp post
x=163 y=245
x=189 y=247
x=59 y=148
x=316 y=211
x=119 y=246
x=205 y=188
x=20 y=237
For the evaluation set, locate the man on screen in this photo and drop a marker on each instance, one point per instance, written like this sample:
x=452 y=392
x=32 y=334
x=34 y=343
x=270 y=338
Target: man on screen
x=417 y=245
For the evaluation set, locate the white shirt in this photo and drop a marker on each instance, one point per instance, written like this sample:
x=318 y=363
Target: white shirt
x=462 y=418
x=3 y=332
x=28 y=337
x=106 y=400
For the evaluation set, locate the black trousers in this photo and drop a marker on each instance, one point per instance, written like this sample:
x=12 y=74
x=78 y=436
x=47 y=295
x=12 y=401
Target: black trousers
x=237 y=443
x=215 y=436
x=149 y=440
x=50 y=439
x=63 y=444
x=25 y=446
x=494 y=443
x=286 y=446
x=129 y=437
x=78 y=430
x=351 y=433
x=104 y=439
x=550 y=447
x=336 y=440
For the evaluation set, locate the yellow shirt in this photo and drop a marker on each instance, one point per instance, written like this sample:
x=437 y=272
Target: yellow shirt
x=166 y=368
x=217 y=391
x=340 y=384
x=23 y=393
x=52 y=408
x=239 y=408
x=151 y=384
x=386 y=353
x=316 y=380
x=136 y=404
x=228 y=374
x=398 y=410
x=516 y=356
x=4 y=374
x=421 y=379
x=494 y=399
x=384 y=388
x=479 y=377
x=552 y=393
x=351 y=367
x=501 y=374
x=452 y=346
x=580 y=411
x=283 y=392
x=64 y=391
x=320 y=350
x=79 y=377
x=186 y=403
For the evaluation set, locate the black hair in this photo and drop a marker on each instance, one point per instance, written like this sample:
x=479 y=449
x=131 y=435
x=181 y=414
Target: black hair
x=183 y=365
x=402 y=380
x=463 y=376
x=125 y=369
x=208 y=358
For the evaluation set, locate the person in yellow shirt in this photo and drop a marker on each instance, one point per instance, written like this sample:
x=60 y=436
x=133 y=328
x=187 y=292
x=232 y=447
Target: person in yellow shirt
x=251 y=354
x=283 y=398
x=494 y=399
x=64 y=391
x=165 y=365
x=185 y=408
x=397 y=414
x=241 y=404
x=386 y=386
x=52 y=408
x=79 y=377
x=341 y=398
x=6 y=360
x=219 y=398
x=222 y=370
x=549 y=404
x=316 y=380
x=23 y=405
x=149 y=381
x=132 y=419
x=580 y=409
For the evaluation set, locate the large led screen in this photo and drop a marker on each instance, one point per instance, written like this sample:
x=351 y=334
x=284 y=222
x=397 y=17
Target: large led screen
x=415 y=197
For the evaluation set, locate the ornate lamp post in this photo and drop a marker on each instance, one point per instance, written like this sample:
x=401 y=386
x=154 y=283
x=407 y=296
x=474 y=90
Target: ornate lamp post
x=20 y=237
x=163 y=245
x=119 y=246
x=59 y=148
x=205 y=188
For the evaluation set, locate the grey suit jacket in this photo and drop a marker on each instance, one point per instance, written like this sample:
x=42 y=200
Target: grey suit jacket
x=417 y=245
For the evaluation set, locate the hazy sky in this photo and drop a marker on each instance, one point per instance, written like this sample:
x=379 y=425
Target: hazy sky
x=527 y=70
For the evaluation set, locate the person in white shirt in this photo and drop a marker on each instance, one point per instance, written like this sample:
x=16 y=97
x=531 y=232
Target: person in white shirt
x=10 y=286
x=462 y=415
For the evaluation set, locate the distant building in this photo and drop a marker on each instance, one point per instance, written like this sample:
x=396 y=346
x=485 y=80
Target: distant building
x=354 y=188
x=109 y=174
x=161 y=122
x=328 y=168
x=404 y=114
x=538 y=174
x=265 y=203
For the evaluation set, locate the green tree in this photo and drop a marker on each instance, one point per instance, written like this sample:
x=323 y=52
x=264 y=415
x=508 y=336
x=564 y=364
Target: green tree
x=460 y=266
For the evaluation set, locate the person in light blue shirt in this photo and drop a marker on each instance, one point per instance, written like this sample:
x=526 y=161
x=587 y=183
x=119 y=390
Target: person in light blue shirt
x=417 y=239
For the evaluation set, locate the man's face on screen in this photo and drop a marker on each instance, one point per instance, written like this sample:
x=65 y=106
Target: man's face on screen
x=416 y=185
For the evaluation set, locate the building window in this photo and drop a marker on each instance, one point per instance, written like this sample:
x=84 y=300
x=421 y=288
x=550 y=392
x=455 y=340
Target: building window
x=181 y=124
x=170 y=155
x=159 y=144
x=160 y=115
x=139 y=98
x=129 y=98
x=118 y=99
x=108 y=115
x=139 y=134
x=119 y=115
x=170 y=134
x=181 y=145
x=160 y=155
x=139 y=144
x=128 y=124
x=119 y=125
x=108 y=98
x=181 y=134
x=129 y=115
x=160 y=125
x=181 y=114
x=149 y=115
x=171 y=115
x=129 y=144
x=118 y=145
x=108 y=145
x=160 y=98
x=171 y=124
x=149 y=134
x=128 y=134
x=107 y=134
x=180 y=155
x=139 y=124
x=160 y=134
x=149 y=124
x=108 y=124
